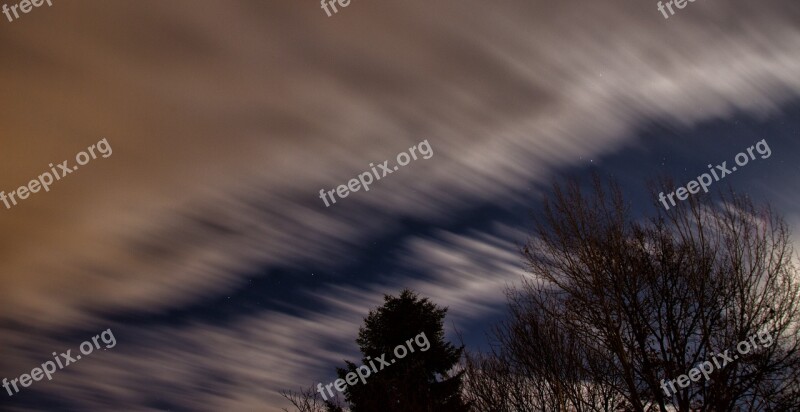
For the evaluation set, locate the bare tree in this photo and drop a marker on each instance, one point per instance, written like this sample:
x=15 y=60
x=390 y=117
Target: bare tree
x=620 y=307
x=307 y=400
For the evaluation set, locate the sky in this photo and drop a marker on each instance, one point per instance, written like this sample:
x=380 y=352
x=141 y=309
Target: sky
x=201 y=240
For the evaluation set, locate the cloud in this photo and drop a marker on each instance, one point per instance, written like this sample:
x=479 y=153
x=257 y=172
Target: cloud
x=227 y=118
x=246 y=122
x=244 y=365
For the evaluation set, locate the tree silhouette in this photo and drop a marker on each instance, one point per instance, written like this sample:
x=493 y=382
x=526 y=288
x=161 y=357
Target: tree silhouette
x=307 y=400
x=620 y=306
x=421 y=380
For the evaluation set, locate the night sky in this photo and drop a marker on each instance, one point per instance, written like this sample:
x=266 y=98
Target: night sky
x=202 y=242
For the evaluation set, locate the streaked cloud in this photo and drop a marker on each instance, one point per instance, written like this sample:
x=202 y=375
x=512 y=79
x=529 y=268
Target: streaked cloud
x=226 y=118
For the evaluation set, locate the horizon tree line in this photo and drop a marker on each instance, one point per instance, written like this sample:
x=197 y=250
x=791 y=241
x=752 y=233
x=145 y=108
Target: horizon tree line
x=616 y=306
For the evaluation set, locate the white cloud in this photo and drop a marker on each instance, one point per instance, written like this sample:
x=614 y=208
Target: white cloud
x=227 y=118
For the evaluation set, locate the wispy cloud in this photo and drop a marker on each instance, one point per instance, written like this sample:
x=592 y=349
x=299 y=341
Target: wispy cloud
x=227 y=117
